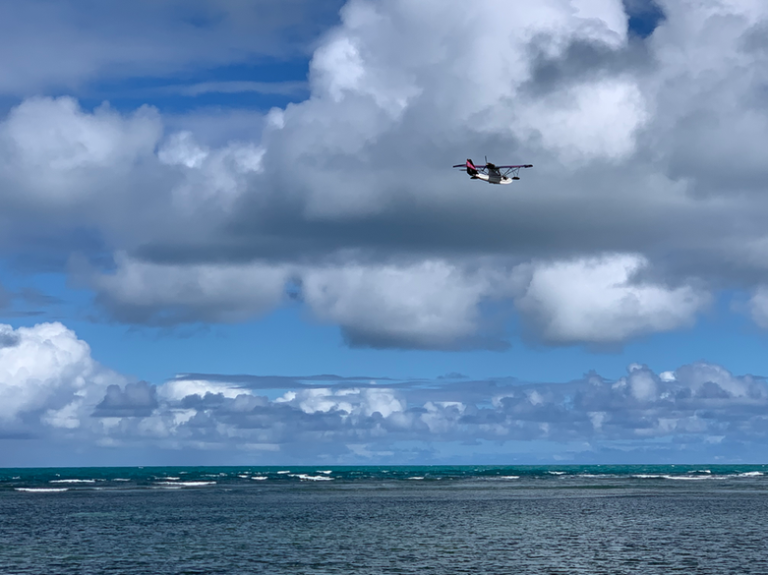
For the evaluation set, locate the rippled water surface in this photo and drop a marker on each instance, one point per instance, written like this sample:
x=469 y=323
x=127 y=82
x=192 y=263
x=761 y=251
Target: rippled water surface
x=385 y=520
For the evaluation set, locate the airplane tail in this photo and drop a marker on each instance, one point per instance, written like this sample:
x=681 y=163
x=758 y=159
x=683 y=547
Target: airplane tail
x=471 y=169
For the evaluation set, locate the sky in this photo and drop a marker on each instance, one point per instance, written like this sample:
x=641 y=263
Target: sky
x=230 y=233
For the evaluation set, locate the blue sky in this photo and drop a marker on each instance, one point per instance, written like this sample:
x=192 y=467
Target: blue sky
x=196 y=190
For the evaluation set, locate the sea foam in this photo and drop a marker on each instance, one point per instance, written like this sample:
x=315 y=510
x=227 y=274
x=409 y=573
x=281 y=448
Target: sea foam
x=184 y=483
x=305 y=477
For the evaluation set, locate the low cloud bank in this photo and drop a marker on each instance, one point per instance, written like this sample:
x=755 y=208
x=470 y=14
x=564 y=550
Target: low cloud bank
x=56 y=395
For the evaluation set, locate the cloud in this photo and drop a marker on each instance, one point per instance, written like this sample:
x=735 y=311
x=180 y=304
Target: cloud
x=215 y=177
x=48 y=378
x=645 y=203
x=758 y=306
x=25 y=302
x=143 y=292
x=427 y=305
x=348 y=196
x=433 y=304
x=53 y=390
x=72 y=43
x=282 y=88
x=709 y=101
x=692 y=403
x=598 y=300
x=65 y=170
x=55 y=150
x=134 y=400
x=8 y=337
x=54 y=134
x=353 y=402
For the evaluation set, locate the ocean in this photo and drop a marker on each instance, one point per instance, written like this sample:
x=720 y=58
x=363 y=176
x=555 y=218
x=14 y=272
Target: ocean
x=385 y=520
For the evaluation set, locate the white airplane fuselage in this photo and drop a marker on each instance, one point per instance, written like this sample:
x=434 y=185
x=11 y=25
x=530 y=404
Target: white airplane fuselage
x=492 y=178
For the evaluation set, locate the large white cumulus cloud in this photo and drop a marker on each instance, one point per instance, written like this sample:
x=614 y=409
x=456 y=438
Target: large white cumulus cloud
x=48 y=378
x=648 y=180
x=431 y=304
x=596 y=300
x=709 y=112
x=398 y=73
x=63 y=153
x=57 y=135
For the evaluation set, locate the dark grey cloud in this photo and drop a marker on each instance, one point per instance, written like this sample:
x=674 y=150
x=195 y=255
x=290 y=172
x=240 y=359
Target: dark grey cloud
x=756 y=38
x=8 y=337
x=35 y=297
x=581 y=61
x=134 y=400
x=25 y=302
x=453 y=375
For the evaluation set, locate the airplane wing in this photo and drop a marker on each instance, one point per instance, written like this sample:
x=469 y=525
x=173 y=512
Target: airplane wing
x=520 y=166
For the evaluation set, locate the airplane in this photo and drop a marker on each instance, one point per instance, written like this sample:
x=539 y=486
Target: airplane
x=492 y=173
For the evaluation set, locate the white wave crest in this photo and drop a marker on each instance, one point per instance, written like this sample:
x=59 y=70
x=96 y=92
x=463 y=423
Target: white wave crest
x=41 y=489
x=305 y=477
x=185 y=483
x=687 y=477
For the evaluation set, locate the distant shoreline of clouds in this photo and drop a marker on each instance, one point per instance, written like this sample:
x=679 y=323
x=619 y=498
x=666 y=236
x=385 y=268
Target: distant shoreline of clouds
x=68 y=401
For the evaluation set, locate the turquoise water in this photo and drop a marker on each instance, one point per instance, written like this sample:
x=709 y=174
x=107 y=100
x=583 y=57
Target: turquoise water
x=376 y=520
x=110 y=478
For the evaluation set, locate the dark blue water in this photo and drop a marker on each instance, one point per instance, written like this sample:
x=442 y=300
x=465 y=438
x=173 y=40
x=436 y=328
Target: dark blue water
x=597 y=519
